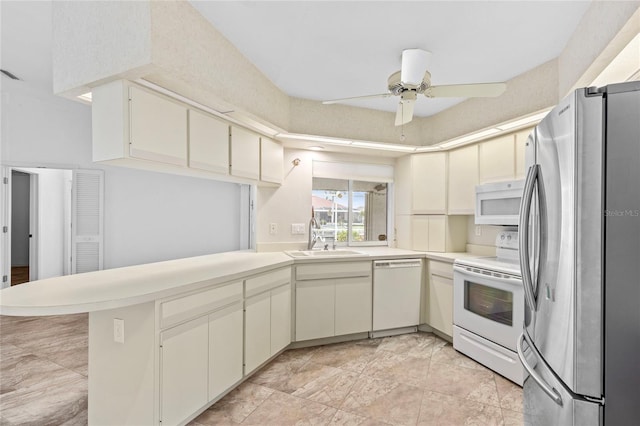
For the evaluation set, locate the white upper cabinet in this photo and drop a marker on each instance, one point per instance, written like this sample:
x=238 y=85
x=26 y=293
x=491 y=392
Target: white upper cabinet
x=497 y=159
x=245 y=153
x=438 y=233
x=271 y=160
x=463 y=178
x=429 y=183
x=208 y=143
x=158 y=128
x=136 y=127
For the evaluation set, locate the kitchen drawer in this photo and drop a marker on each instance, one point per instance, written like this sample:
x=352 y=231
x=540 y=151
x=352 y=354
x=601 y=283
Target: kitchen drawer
x=336 y=270
x=442 y=269
x=185 y=307
x=267 y=281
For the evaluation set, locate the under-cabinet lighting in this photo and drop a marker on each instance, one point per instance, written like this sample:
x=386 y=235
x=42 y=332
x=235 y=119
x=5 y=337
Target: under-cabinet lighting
x=429 y=148
x=85 y=97
x=470 y=138
x=523 y=122
x=316 y=148
x=384 y=146
x=313 y=138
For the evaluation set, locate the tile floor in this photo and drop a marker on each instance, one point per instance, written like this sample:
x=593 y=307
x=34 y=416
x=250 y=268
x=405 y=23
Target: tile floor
x=414 y=379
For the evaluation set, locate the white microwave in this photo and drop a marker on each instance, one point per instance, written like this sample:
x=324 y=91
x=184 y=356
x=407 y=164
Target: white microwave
x=498 y=203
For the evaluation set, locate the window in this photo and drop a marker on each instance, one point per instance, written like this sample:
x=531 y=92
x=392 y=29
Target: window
x=350 y=211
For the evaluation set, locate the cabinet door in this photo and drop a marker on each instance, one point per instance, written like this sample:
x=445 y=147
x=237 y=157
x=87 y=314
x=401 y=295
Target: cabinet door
x=497 y=159
x=158 y=128
x=521 y=143
x=280 y=318
x=353 y=305
x=429 y=183
x=437 y=233
x=403 y=232
x=257 y=332
x=208 y=143
x=225 y=349
x=420 y=232
x=463 y=178
x=245 y=153
x=271 y=160
x=441 y=304
x=183 y=376
x=315 y=307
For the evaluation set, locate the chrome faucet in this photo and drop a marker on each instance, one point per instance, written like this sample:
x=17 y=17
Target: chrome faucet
x=313 y=236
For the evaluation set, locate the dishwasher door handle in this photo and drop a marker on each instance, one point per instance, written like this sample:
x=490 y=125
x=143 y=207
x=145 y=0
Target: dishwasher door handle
x=377 y=264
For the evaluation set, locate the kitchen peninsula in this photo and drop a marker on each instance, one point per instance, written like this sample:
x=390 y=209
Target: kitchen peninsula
x=168 y=339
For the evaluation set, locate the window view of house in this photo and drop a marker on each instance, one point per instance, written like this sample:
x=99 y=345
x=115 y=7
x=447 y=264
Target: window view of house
x=350 y=211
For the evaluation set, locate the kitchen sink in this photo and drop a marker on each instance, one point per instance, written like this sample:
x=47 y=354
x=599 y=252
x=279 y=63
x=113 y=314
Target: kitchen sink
x=325 y=253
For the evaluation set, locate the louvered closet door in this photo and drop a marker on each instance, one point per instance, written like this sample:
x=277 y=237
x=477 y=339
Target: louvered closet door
x=87 y=221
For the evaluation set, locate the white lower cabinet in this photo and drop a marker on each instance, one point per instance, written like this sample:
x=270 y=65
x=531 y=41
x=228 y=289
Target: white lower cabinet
x=353 y=306
x=225 y=349
x=315 y=307
x=440 y=294
x=336 y=305
x=184 y=359
x=267 y=317
x=280 y=318
x=257 y=339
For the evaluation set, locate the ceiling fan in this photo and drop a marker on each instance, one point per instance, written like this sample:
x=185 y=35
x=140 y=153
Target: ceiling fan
x=414 y=79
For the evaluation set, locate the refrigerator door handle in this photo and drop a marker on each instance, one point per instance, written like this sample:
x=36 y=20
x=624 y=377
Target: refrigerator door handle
x=550 y=391
x=525 y=212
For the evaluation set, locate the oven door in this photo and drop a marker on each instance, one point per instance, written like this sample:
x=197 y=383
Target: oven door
x=488 y=304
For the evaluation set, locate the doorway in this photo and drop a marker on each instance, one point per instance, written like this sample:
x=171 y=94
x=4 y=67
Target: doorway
x=36 y=241
x=22 y=208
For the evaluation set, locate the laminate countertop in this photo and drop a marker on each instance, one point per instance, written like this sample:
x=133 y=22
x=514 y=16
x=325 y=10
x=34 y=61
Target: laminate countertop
x=131 y=285
x=126 y=286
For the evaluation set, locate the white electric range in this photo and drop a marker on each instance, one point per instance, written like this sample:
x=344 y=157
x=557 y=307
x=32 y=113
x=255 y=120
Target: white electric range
x=488 y=308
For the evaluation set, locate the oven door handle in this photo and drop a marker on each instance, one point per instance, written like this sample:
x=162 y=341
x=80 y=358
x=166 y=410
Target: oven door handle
x=548 y=389
x=525 y=213
x=504 y=278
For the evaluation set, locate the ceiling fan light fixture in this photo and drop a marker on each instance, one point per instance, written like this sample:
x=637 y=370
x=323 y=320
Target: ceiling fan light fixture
x=414 y=64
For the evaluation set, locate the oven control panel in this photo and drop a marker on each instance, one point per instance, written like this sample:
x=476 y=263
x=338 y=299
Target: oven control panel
x=507 y=239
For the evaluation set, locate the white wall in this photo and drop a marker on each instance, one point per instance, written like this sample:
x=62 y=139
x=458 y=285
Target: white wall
x=148 y=216
x=151 y=217
x=291 y=202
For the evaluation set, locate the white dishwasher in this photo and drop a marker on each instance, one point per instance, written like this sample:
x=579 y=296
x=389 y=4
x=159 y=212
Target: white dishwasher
x=396 y=295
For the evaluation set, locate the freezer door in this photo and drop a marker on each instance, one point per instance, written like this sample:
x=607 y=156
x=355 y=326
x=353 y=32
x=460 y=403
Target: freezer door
x=565 y=316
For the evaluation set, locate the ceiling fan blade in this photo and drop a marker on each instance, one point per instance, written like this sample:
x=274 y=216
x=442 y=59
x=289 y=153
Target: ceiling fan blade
x=414 y=65
x=480 y=90
x=404 y=114
x=337 y=101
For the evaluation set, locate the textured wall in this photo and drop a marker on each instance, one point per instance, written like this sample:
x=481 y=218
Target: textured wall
x=171 y=44
x=93 y=41
x=605 y=29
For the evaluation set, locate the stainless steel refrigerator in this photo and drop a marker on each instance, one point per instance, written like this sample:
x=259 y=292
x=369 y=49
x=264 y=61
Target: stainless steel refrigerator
x=580 y=260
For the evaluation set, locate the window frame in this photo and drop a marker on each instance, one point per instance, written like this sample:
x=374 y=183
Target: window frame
x=350 y=242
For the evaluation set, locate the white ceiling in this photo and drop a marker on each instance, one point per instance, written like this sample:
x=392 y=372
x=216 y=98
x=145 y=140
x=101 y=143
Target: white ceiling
x=327 y=49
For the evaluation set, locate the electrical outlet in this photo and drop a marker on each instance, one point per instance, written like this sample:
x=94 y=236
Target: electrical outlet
x=273 y=228
x=478 y=231
x=297 y=229
x=118 y=330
